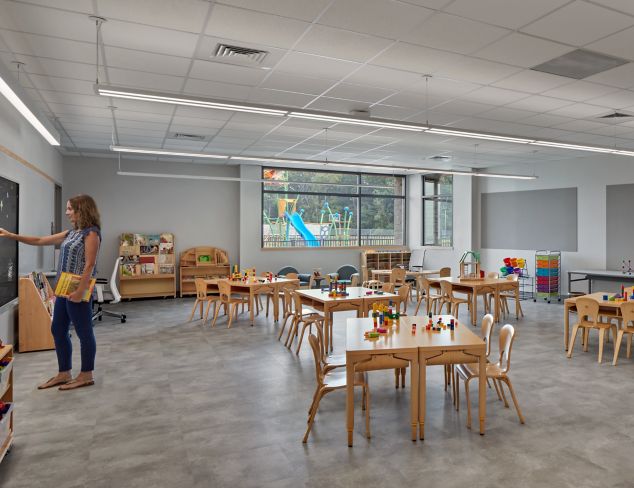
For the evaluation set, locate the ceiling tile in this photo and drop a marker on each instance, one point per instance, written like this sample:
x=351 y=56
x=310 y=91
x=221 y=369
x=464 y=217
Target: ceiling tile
x=579 y=23
x=298 y=9
x=462 y=107
x=452 y=33
x=141 y=106
x=359 y=92
x=336 y=105
x=579 y=125
x=539 y=103
x=276 y=97
x=494 y=96
x=76 y=5
x=621 y=77
x=579 y=91
x=511 y=14
x=187 y=15
x=410 y=57
x=341 y=44
x=386 y=18
x=616 y=100
x=522 y=50
x=279 y=80
x=310 y=65
x=73 y=99
x=62 y=69
x=143 y=61
x=506 y=114
x=477 y=71
x=384 y=77
x=62 y=84
x=546 y=120
x=49 y=47
x=141 y=79
x=579 y=111
x=531 y=81
x=227 y=73
x=619 y=45
x=147 y=38
x=625 y=6
x=214 y=89
x=248 y=26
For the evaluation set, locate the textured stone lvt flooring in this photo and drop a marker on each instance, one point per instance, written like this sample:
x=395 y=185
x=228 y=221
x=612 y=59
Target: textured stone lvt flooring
x=180 y=405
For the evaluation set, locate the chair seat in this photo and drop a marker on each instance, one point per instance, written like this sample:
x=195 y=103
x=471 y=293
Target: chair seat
x=337 y=379
x=470 y=370
x=337 y=361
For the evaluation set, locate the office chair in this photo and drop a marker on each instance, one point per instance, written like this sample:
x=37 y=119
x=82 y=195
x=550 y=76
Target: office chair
x=107 y=293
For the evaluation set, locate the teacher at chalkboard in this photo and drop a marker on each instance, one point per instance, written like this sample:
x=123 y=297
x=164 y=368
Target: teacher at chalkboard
x=78 y=255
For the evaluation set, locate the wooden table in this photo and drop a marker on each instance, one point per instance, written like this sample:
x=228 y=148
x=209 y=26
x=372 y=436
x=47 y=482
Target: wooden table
x=358 y=300
x=255 y=288
x=381 y=274
x=474 y=286
x=597 y=274
x=431 y=348
x=606 y=308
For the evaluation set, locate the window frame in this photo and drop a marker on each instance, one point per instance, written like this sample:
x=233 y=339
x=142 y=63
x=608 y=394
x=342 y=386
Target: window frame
x=436 y=197
x=357 y=195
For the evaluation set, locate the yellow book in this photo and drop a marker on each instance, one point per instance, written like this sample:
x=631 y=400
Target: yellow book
x=68 y=283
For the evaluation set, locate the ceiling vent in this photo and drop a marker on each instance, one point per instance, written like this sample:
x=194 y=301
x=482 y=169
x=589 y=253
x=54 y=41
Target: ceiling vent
x=439 y=157
x=186 y=137
x=616 y=115
x=579 y=64
x=227 y=52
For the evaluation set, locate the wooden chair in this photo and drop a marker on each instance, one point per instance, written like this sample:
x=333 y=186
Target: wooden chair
x=269 y=292
x=387 y=287
x=424 y=286
x=230 y=300
x=328 y=362
x=588 y=316
x=447 y=297
x=305 y=316
x=354 y=280
x=627 y=312
x=201 y=298
x=331 y=381
x=403 y=293
x=508 y=293
x=372 y=284
x=445 y=272
x=497 y=372
x=287 y=305
x=398 y=276
x=486 y=330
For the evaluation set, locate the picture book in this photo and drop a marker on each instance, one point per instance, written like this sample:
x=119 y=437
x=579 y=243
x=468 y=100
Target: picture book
x=167 y=238
x=166 y=269
x=147 y=259
x=127 y=240
x=147 y=268
x=149 y=249
x=129 y=250
x=130 y=270
x=166 y=248
x=166 y=259
x=140 y=239
x=68 y=283
x=132 y=259
x=153 y=240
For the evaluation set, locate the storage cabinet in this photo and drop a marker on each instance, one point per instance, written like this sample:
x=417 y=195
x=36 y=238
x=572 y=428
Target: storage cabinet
x=201 y=262
x=384 y=260
x=547 y=275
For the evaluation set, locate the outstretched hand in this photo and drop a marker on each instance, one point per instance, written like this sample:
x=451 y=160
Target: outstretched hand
x=5 y=233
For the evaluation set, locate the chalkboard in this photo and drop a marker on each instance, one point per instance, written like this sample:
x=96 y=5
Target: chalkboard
x=9 y=193
x=530 y=220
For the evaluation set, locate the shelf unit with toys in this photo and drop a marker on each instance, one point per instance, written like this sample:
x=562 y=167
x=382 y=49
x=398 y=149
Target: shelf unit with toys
x=547 y=275
x=148 y=267
x=201 y=262
x=35 y=312
x=371 y=259
x=6 y=399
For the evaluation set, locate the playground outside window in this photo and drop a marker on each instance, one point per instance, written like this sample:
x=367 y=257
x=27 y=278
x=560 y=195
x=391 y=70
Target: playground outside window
x=437 y=210
x=306 y=208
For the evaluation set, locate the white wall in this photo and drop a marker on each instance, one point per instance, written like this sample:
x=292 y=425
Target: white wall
x=198 y=212
x=590 y=175
x=37 y=193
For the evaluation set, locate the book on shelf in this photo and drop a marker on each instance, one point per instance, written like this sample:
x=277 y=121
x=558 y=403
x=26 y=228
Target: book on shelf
x=166 y=269
x=69 y=282
x=130 y=270
x=147 y=268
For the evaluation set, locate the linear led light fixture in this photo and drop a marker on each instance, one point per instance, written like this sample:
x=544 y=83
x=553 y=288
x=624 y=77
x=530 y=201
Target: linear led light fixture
x=167 y=152
x=378 y=123
x=21 y=107
x=149 y=96
x=478 y=135
x=577 y=147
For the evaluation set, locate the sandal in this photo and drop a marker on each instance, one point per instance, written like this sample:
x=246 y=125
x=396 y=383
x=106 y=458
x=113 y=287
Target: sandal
x=54 y=381
x=74 y=384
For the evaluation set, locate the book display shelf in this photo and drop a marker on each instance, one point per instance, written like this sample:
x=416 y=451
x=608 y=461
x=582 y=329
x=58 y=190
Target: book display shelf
x=35 y=312
x=385 y=259
x=201 y=262
x=6 y=399
x=148 y=267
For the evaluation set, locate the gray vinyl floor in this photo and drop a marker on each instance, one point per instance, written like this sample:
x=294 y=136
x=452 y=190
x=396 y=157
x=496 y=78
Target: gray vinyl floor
x=180 y=405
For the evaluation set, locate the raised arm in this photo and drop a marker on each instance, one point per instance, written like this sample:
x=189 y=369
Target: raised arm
x=51 y=240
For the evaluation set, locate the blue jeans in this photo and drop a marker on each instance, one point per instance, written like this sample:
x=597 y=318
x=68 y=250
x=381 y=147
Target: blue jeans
x=80 y=314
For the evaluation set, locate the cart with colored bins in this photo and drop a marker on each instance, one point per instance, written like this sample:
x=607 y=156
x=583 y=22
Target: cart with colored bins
x=547 y=275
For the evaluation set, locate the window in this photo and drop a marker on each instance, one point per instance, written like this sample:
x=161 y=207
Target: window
x=304 y=208
x=437 y=210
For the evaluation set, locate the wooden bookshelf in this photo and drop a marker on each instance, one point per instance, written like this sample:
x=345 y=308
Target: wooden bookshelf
x=384 y=259
x=6 y=396
x=35 y=309
x=148 y=267
x=201 y=262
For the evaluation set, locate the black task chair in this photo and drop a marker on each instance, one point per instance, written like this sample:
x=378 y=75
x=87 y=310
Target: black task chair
x=107 y=293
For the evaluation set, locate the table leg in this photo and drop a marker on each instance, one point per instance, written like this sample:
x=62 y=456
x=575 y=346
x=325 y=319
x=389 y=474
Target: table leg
x=474 y=306
x=496 y=294
x=482 y=392
x=349 y=399
x=331 y=321
x=414 y=380
x=422 y=381
x=252 y=299
x=566 y=325
x=276 y=304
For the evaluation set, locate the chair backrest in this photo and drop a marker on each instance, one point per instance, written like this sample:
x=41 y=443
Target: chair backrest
x=513 y=277
x=403 y=292
x=224 y=287
x=627 y=311
x=292 y=276
x=446 y=288
x=445 y=272
x=116 y=296
x=364 y=273
x=287 y=269
x=423 y=284
x=201 y=288
x=507 y=335
x=587 y=307
x=398 y=275
x=354 y=280
x=314 y=345
x=388 y=287
x=486 y=330
x=372 y=284
x=346 y=271
x=297 y=302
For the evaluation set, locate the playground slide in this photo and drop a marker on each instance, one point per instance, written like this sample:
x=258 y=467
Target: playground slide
x=298 y=224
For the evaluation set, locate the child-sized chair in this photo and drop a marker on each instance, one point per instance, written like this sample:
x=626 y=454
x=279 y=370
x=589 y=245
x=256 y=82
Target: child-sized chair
x=588 y=314
x=627 y=312
x=230 y=301
x=201 y=298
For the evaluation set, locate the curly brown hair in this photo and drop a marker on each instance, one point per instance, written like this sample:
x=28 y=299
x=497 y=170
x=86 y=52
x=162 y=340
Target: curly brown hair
x=86 y=209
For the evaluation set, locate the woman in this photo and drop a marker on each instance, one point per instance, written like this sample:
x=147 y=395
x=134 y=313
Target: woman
x=79 y=248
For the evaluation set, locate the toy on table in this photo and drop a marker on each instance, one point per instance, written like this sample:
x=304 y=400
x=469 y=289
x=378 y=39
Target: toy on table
x=513 y=266
x=470 y=269
x=629 y=267
x=413 y=328
x=337 y=290
x=386 y=314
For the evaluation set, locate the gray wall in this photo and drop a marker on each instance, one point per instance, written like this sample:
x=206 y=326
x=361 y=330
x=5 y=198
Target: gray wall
x=36 y=196
x=198 y=212
x=619 y=226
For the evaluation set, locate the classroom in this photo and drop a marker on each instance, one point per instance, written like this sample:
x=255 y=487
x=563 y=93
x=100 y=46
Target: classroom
x=301 y=243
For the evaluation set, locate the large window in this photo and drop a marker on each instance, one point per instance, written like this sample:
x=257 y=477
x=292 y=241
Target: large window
x=437 y=210
x=304 y=208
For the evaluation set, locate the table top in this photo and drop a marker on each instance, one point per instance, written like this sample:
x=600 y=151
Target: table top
x=401 y=337
x=354 y=293
x=598 y=296
x=261 y=281
x=476 y=282
x=603 y=272
x=388 y=272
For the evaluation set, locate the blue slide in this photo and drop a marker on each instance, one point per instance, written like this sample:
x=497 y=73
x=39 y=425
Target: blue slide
x=298 y=224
